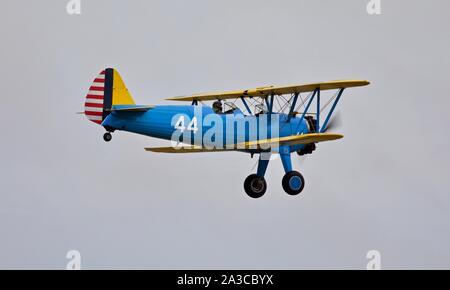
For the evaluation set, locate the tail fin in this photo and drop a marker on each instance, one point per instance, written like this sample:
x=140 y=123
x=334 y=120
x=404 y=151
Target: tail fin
x=107 y=90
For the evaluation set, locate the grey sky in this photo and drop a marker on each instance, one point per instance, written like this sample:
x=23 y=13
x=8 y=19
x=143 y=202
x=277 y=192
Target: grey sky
x=385 y=186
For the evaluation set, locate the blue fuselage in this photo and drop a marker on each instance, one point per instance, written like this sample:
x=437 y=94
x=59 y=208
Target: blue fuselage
x=164 y=122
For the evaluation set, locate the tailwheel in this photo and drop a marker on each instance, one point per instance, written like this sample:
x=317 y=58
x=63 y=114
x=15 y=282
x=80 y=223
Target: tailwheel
x=107 y=137
x=293 y=183
x=255 y=186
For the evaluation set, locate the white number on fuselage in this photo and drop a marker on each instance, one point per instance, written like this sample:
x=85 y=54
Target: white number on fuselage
x=192 y=126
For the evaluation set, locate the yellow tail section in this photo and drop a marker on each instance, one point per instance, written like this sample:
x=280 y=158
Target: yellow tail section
x=120 y=93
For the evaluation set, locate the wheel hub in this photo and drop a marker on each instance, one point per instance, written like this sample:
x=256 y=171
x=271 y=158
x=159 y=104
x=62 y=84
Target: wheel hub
x=295 y=183
x=257 y=185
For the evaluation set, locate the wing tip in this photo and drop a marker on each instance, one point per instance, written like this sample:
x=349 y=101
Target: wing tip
x=365 y=83
x=331 y=136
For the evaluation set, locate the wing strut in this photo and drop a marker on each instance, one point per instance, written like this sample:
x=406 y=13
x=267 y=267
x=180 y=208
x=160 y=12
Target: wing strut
x=325 y=124
x=246 y=105
x=318 y=111
x=291 y=111
x=270 y=107
x=306 y=109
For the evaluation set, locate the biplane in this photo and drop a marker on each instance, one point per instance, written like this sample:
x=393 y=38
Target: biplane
x=271 y=121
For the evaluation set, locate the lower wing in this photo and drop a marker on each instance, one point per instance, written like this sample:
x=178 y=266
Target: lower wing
x=254 y=145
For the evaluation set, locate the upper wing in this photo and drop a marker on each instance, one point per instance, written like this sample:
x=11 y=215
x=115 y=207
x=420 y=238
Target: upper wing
x=267 y=91
x=273 y=143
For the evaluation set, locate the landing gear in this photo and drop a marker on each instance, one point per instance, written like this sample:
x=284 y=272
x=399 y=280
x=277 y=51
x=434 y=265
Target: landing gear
x=293 y=183
x=255 y=186
x=107 y=137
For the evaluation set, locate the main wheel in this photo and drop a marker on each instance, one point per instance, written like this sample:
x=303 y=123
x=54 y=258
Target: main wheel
x=107 y=137
x=255 y=186
x=293 y=183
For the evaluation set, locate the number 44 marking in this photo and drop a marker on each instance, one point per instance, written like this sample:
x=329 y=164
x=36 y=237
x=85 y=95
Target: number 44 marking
x=192 y=126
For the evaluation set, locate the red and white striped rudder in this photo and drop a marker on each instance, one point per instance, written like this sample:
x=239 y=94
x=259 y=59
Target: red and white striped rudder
x=93 y=107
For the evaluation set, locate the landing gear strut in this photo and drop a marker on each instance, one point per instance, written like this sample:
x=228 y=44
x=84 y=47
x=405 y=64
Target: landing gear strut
x=107 y=137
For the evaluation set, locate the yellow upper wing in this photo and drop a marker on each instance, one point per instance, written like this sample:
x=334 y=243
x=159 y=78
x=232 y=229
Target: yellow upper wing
x=267 y=91
x=258 y=145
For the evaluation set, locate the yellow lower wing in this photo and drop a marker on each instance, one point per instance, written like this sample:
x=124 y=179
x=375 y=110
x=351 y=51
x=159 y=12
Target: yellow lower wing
x=187 y=149
x=292 y=140
x=265 y=144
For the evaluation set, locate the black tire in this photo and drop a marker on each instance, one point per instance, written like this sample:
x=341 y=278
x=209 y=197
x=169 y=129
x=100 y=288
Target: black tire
x=293 y=183
x=107 y=137
x=255 y=186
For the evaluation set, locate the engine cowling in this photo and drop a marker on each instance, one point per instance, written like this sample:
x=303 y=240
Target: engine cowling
x=309 y=148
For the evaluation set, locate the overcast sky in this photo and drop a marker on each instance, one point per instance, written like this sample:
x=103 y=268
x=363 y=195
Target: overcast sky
x=385 y=186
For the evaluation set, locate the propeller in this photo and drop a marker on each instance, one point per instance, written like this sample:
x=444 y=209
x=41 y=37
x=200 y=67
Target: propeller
x=334 y=123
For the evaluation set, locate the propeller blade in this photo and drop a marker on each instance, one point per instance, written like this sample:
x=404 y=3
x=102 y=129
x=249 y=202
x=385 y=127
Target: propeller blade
x=301 y=160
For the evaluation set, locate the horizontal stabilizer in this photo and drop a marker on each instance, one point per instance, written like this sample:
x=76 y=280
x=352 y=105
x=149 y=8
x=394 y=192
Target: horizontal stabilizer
x=131 y=108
